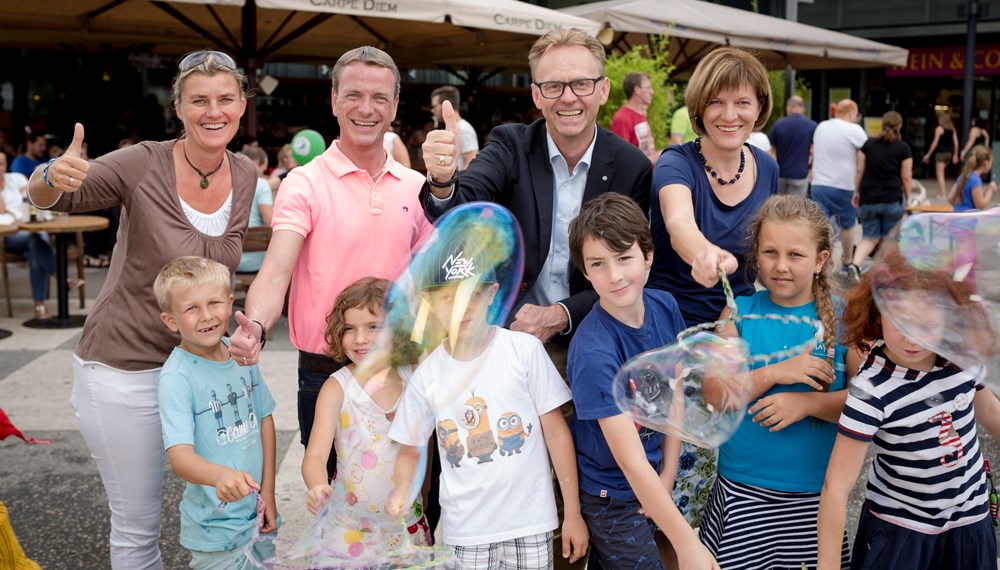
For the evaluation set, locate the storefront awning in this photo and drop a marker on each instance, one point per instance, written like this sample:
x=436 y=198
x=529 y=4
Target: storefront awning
x=696 y=27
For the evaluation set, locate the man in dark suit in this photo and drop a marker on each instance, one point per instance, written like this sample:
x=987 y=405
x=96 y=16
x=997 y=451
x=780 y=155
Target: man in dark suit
x=543 y=173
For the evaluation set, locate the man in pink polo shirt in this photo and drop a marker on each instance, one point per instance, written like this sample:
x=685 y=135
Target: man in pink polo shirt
x=351 y=212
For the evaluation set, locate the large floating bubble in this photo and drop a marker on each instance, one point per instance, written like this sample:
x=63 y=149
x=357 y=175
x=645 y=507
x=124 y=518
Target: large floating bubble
x=938 y=282
x=694 y=390
x=697 y=389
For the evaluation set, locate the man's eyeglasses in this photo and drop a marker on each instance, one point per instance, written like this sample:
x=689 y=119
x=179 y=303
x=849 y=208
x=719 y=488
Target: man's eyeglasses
x=196 y=58
x=579 y=87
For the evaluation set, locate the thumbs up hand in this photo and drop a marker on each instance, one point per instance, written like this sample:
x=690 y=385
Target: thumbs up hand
x=68 y=173
x=244 y=344
x=441 y=148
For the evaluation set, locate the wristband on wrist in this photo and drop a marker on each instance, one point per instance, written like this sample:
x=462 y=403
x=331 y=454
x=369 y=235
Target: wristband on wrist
x=263 y=334
x=45 y=172
x=446 y=184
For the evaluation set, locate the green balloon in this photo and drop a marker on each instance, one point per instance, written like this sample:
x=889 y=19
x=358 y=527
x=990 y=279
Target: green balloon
x=307 y=145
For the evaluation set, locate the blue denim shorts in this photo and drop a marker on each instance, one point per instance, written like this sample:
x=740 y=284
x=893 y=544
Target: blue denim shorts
x=836 y=204
x=620 y=537
x=877 y=220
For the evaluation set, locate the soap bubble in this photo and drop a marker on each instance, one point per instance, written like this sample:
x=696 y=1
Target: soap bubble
x=936 y=283
x=694 y=390
x=697 y=389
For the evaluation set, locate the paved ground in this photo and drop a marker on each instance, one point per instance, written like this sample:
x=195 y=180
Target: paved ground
x=53 y=492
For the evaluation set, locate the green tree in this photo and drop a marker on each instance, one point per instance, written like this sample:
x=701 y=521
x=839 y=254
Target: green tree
x=653 y=60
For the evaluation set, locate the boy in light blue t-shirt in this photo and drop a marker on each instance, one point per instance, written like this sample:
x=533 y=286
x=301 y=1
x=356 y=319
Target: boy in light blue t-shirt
x=216 y=416
x=626 y=472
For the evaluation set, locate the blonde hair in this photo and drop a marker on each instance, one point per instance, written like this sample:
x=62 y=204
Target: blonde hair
x=727 y=69
x=210 y=67
x=187 y=271
x=976 y=158
x=789 y=208
x=367 y=55
x=944 y=119
x=561 y=38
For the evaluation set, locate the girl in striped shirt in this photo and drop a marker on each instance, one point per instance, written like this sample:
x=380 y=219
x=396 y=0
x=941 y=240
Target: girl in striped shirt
x=926 y=504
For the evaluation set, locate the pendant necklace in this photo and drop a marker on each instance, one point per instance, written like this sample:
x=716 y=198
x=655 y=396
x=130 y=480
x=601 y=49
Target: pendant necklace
x=204 y=176
x=711 y=171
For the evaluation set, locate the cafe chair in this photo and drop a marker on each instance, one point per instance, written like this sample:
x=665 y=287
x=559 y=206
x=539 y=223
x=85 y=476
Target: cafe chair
x=15 y=258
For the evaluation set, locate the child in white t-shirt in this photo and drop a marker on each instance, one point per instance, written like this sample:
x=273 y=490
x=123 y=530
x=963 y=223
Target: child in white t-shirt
x=493 y=397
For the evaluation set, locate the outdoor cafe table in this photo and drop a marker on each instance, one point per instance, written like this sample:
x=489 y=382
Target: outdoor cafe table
x=63 y=228
x=5 y=231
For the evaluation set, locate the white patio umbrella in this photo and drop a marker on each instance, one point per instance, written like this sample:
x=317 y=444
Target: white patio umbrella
x=696 y=27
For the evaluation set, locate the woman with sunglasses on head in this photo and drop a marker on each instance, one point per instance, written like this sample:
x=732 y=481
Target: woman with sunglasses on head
x=188 y=196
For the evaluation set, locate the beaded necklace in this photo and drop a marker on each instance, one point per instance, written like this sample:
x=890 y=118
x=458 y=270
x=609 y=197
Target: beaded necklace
x=711 y=171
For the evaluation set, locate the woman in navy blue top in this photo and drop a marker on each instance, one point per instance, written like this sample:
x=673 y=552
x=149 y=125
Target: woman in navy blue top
x=706 y=191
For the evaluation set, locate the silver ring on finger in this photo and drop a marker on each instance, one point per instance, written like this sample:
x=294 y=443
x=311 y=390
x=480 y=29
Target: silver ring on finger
x=71 y=179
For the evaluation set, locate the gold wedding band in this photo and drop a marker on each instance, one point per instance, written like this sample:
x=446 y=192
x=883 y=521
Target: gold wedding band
x=441 y=159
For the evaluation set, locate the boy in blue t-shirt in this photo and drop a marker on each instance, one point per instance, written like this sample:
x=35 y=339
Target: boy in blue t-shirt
x=626 y=478
x=216 y=416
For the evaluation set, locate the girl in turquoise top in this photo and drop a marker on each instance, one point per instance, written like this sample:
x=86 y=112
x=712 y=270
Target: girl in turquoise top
x=762 y=512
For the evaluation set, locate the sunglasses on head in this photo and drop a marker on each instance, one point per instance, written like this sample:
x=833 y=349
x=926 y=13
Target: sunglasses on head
x=196 y=58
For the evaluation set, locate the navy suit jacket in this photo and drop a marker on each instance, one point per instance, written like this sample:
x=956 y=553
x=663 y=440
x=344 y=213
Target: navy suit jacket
x=513 y=170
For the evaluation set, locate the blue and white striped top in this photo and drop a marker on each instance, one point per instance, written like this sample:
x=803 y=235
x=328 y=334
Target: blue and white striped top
x=927 y=474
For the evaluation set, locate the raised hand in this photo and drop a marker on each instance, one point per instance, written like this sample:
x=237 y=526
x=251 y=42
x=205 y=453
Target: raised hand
x=68 y=173
x=441 y=148
x=244 y=344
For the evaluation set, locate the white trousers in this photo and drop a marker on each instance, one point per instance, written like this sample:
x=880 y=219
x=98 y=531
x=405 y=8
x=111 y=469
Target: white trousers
x=119 y=417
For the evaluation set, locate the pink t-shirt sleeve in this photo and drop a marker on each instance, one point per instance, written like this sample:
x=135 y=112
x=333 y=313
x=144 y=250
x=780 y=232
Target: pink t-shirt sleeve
x=292 y=209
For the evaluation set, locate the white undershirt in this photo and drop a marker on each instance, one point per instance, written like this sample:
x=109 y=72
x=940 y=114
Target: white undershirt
x=213 y=224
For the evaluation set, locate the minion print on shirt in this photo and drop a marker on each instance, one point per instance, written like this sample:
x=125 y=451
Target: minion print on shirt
x=476 y=419
x=512 y=432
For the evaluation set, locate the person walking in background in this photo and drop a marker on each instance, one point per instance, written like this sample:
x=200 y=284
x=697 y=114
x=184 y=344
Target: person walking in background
x=470 y=141
x=188 y=196
x=979 y=134
x=629 y=121
x=944 y=150
x=791 y=145
x=883 y=184
x=836 y=143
